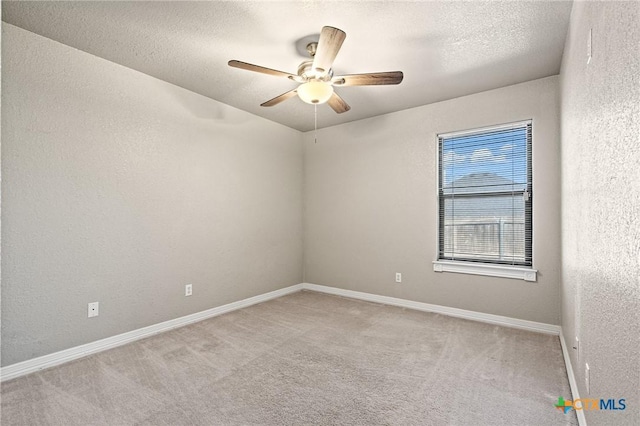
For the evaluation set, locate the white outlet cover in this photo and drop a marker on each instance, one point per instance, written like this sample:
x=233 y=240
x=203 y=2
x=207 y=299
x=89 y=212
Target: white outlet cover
x=589 y=46
x=188 y=290
x=93 y=309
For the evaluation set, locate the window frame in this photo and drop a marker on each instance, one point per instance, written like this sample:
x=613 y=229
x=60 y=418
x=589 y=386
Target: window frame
x=500 y=268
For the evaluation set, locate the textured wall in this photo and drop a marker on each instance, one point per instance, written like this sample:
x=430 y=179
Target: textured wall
x=601 y=203
x=371 y=204
x=121 y=188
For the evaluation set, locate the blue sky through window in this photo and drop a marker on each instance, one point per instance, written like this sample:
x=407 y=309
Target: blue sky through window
x=500 y=153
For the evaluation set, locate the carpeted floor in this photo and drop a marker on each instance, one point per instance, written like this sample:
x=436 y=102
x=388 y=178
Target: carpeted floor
x=307 y=358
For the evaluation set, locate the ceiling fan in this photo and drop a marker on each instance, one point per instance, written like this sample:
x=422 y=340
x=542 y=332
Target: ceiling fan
x=316 y=76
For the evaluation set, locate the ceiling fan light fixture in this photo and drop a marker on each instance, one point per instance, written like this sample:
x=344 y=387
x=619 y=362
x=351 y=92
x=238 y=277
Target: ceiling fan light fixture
x=316 y=77
x=315 y=92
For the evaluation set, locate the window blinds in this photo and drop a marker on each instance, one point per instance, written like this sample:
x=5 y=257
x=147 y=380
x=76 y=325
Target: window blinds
x=485 y=195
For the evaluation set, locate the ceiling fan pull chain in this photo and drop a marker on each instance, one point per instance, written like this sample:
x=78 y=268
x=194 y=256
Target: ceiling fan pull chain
x=315 y=125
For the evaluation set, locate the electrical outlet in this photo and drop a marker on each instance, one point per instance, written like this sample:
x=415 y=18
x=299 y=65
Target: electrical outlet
x=587 y=373
x=92 y=309
x=188 y=290
x=398 y=277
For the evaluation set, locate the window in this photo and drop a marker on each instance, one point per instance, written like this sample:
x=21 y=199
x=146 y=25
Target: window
x=485 y=196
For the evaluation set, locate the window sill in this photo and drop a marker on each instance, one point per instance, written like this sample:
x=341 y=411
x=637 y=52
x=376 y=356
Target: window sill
x=502 y=271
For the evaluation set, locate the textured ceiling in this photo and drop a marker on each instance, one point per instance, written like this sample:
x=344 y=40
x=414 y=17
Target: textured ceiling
x=445 y=49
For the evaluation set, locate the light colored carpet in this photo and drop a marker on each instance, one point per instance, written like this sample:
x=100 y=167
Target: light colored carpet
x=307 y=358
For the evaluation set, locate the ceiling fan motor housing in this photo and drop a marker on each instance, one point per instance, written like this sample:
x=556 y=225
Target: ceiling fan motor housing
x=308 y=73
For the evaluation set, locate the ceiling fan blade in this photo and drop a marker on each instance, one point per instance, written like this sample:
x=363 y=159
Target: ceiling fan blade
x=328 y=46
x=257 y=68
x=338 y=104
x=281 y=98
x=369 y=79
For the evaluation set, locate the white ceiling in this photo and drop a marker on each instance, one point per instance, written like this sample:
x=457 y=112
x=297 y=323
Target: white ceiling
x=445 y=49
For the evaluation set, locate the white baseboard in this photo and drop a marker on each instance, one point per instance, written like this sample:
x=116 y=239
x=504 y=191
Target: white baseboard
x=439 y=309
x=57 y=358
x=32 y=365
x=582 y=421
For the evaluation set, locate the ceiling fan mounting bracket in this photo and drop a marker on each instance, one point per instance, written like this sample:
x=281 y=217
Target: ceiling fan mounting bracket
x=312 y=48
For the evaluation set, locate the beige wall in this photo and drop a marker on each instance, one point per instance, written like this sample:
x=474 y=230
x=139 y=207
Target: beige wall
x=121 y=188
x=371 y=204
x=601 y=203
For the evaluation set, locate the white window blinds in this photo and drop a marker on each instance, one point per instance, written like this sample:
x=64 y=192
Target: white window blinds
x=485 y=195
